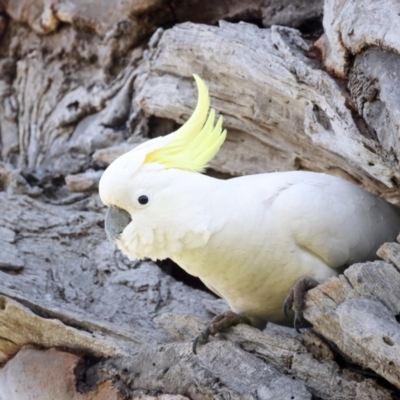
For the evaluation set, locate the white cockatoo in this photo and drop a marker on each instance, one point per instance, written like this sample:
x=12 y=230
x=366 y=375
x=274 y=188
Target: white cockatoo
x=253 y=239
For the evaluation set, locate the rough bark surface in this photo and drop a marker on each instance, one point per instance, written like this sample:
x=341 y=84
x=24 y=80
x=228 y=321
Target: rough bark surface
x=276 y=101
x=351 y=27
x=81 y=84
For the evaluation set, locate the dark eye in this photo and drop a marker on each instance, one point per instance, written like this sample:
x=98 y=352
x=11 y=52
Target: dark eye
x=143 y=200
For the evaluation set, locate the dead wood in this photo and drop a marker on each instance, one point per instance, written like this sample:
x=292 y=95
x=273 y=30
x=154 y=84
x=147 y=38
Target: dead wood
x=80 y=85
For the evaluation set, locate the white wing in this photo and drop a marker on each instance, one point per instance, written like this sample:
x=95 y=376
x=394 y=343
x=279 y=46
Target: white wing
x=339 y=222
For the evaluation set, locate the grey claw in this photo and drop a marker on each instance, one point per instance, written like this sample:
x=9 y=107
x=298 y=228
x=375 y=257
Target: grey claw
x=298 y=321
x=200 y=339
x=285 y=310
x=219 y=323
x=194 y=344
x=295 y=300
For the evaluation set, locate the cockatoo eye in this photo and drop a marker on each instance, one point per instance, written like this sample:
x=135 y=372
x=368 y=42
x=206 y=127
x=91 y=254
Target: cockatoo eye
x=143 y=199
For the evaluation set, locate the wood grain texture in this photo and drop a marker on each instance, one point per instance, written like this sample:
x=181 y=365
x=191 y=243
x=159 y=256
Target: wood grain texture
x=101 y=306
x=357 y=311
x=278 y=105
x=80 y=85
x=351 y=27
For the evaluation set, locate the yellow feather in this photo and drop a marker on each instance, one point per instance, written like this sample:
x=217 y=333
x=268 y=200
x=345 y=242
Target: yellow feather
x=196 y=142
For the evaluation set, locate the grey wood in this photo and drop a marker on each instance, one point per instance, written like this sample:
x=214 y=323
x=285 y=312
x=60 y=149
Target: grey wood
x=80 y=85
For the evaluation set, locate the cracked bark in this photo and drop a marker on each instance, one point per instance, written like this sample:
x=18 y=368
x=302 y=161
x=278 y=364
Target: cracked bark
x=80 y=85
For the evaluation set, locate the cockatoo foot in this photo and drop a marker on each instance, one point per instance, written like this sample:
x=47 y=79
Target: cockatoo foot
x=295 y=300
x=219 y=323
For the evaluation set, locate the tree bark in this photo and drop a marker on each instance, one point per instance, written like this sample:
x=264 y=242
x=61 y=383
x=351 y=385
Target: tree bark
x=80 y=85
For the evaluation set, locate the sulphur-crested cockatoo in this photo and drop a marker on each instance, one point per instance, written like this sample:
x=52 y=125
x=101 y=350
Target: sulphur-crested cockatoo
x=249 y=239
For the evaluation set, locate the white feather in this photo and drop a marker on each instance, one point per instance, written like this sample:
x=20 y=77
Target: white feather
x=251 y=238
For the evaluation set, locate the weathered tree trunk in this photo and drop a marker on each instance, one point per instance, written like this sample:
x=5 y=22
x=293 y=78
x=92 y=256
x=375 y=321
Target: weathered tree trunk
x=81 y=84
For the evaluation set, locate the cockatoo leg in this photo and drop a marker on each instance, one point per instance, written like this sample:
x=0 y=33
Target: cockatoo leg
x=219 y=323
x=295 y=300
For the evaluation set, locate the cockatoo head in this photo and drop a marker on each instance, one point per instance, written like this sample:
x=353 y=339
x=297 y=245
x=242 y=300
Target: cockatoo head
x=152 y=192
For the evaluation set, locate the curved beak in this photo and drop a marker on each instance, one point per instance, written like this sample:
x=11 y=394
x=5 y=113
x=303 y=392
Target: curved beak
x=115 y=222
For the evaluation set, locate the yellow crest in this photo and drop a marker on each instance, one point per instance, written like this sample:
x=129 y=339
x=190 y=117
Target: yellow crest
x=196 y=142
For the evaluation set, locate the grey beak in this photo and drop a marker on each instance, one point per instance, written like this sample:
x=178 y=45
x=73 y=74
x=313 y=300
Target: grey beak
x=116 y=221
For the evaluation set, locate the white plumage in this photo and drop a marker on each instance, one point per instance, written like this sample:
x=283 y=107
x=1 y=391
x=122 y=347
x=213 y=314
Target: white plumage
x=249 y=239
